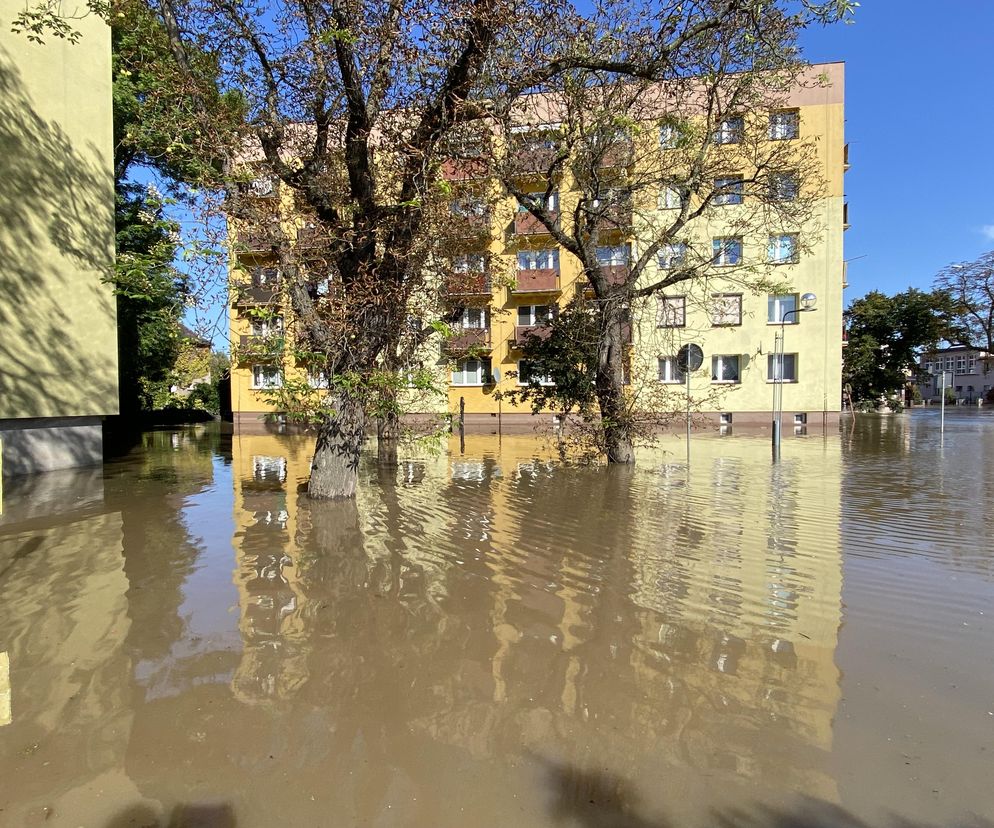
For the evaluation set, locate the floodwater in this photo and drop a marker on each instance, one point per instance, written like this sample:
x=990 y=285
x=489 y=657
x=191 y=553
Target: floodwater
x=487 y=638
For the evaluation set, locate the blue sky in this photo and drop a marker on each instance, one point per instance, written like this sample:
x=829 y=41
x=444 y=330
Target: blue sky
x=919 y=113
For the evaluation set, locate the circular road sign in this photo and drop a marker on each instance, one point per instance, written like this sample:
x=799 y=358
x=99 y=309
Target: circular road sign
x=690 y=358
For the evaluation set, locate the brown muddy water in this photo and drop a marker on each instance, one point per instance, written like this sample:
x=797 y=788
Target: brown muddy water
x=488 y=638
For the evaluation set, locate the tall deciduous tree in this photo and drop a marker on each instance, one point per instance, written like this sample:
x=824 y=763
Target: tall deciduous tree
x=970 y=286
x=886 y=334
x=353 y=107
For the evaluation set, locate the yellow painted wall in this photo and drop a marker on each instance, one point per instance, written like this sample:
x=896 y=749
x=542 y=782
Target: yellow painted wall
x=58 y=351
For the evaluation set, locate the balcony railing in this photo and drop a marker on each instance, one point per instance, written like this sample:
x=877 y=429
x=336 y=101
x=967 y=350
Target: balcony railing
x=526 y=224
x=618 y=154
x=467 y=339
x=522 y=333
x=465 y=169
x=247 y=294
x=616 y=217
x=537 y=281
x=845 y=158
x=474 y=283
x=845 y=216
x=615 y=274
x=257 y=238
x=468 y=225
x=535 y=156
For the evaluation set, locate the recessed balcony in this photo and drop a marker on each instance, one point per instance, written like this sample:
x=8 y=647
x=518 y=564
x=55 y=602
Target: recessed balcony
x=468 y=225
x=255 y=239
x=248 y=295
x=533 y=156
x=536 y=281
x=526 y=224
x=468 y=339
x=472 y=283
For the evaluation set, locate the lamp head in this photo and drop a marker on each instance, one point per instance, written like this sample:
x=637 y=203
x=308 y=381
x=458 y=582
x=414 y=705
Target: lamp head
x=808 y=301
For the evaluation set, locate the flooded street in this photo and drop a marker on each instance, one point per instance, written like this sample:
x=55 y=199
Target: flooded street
x=487 y=638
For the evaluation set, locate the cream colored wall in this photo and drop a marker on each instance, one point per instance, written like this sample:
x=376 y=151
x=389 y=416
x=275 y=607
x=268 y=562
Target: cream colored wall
x=58 y=351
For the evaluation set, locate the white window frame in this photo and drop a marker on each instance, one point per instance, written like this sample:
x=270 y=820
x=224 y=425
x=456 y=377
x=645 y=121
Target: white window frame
x=672 y=312
x=789 y=362
x=265 y=467
x=718 y=362
x=479 y=377
x=728 y=189
x=544 y=259
x=260 y=382
x=670 y=198
x=722 y=247
x=671 y=255
x=267 y=327
x=775 y=308
x=730 y=131
x=551 y=203
x=784 y=125
x=618 y=255
x=784 y=186
x=466 y=263
x=669 y=136
x=669 y=371
x=532 y=316
x=782 y=248
x=522 y=370
x=725 y=305
x=468 y=322
x=318 y=380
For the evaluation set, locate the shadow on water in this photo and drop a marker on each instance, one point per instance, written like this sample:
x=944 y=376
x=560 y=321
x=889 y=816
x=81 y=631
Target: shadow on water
x=55 y=222
x=183 y=816
x=595 y=799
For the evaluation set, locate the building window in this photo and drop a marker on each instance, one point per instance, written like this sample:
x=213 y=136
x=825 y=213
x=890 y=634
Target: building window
x=729 y=131
x=784 y=125
x=788 y=373
x=265 y=277
x=801 y=419
x=728 y=190
x=778 y=306
x=726 y=309
x=469 y=207
x=471 y=372
x=473 y=318
x=267 y=327
x=669 y=136
x=960 y=363
x=469 y=263
x=972 y=363
x=669 y=199
x=669 y=371
x=528 y=376
x=266 y=376
x=725 y=418
x=672 y=255
x=539 y=259
x=536 y=314
x=551 y=203
x=269 y=469
x=672 y=312
x=613 y=256
x=949 y=363
x=318 y=379
x=725 y=368
x=784 y=187
x=782 y=248
x=727 y=250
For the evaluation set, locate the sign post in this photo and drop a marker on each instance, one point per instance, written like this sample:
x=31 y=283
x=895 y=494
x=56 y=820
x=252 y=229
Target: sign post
x=689 y=359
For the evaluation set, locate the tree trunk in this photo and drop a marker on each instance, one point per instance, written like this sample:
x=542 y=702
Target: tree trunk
x=387 y=439
x=615 y=418
x=335 y=467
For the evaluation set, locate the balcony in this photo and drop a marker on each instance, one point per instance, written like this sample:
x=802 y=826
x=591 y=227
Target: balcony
x=615 y=274
x=532 y=156
x=845 y=216
x=845 y=158
x=257 y=238
x=468 y=225
x=526 y=224
x=615 y=218
x=468 y=339
x=248 y=295
x=473 y=283
x=465 y=169
x=621 y=153
x=536 y=281
x=522 y=333
x=260 y=349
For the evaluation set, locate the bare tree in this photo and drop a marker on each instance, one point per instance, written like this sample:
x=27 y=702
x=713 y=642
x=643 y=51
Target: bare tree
x=970 y=287
x=351 y=107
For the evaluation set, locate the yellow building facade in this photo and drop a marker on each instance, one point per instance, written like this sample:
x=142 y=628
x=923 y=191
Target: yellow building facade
x=58 y=352
x=511 y=277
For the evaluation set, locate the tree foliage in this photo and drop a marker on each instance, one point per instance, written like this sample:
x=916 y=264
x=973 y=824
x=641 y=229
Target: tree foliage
x=886 y=334
x=970 y=287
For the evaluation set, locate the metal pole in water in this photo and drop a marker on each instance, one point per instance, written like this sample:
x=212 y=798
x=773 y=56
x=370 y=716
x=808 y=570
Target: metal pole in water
x=687 y=372
x=775 y=428
x=942 y=406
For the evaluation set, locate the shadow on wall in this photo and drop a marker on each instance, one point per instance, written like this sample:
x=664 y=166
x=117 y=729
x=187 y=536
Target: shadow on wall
x=57 y=357
x=593 y=799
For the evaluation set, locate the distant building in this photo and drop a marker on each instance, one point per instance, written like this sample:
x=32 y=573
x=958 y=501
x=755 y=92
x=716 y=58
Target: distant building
x=972 y=373
x=58 y=347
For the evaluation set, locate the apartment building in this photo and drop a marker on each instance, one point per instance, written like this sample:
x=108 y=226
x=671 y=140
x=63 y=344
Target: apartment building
x=969 y=373
x=508 y=279
x=58 y=351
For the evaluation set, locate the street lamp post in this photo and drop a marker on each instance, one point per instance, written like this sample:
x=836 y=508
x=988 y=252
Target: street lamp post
x=808 y=301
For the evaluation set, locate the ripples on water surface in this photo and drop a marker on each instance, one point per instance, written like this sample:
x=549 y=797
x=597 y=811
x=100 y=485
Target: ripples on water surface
x=488 y=638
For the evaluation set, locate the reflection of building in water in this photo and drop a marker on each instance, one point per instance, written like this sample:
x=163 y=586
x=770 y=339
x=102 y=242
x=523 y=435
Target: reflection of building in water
x=266 y=473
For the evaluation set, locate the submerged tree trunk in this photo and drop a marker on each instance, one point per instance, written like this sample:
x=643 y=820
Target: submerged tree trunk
x=387 y=438
x=335 y=468
x=615 y=417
